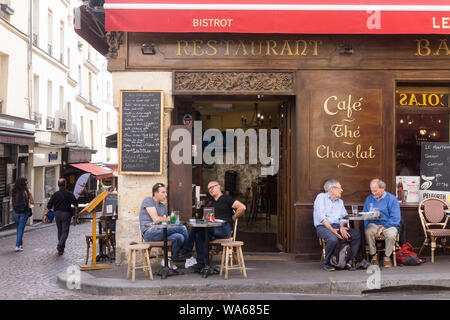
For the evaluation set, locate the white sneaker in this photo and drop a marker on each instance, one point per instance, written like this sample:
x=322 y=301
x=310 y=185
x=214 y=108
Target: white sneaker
x=190 y=262
x=171 y=264
x=19 y=249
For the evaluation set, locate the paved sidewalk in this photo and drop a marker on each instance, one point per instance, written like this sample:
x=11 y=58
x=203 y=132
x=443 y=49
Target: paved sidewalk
x=39 y=273
x=266 y=274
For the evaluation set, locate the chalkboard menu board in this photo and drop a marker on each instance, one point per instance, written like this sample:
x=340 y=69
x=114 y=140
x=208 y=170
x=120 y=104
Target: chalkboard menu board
x=140 y=134
x=435 y=166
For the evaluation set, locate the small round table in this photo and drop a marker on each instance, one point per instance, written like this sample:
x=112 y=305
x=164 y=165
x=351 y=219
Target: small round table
x=207 y=270
x=166 y=270
x=362 y=217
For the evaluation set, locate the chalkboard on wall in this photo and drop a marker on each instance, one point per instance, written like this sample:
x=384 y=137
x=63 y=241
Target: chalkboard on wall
x=140 y=132
x=435 y=166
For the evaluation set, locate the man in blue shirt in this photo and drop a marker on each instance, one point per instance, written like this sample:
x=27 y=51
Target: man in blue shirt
x=329 y=212
x=388 y=225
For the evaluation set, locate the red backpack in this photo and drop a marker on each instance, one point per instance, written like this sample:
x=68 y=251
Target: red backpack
x=407 y=256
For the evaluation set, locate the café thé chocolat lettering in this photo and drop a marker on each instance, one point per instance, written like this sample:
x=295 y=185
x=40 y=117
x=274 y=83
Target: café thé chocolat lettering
x=347 y=131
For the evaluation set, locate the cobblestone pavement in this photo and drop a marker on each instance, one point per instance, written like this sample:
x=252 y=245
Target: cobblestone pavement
x=32 y=274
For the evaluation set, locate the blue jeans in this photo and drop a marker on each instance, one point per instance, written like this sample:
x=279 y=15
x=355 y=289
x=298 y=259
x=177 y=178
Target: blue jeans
x=177 y=235
x=21 y=220
x=198 y=235
x=331 y=241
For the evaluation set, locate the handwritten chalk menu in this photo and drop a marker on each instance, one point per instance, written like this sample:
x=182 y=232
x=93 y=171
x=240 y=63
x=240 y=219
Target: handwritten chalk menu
x=435 y=166
x=140 y=134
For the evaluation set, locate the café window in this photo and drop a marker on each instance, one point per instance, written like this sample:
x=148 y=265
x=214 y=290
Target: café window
x=422 y=116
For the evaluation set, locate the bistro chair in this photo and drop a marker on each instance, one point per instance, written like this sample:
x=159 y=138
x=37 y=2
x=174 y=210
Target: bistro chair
x=156 y=244
x=379 y=244
x=227 y=258
x=132 y=266
x=215 y=245
x=106 y=240
x=432 y=214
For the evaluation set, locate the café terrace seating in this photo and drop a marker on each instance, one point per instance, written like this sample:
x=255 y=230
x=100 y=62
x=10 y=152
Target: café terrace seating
x=432 y=214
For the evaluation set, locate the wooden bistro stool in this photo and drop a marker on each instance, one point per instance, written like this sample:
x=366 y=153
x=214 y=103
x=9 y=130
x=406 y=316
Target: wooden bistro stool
x=227 y=258
x=132 y=249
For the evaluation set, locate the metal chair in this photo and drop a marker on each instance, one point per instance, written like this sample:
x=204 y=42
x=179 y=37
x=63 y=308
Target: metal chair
x=432 y=214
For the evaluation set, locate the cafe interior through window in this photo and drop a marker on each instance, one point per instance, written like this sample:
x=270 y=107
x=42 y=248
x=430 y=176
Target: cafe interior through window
x=422 y=116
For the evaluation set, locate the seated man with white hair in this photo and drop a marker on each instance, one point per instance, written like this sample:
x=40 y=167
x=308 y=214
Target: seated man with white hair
x=388 y=225
x=329 y=212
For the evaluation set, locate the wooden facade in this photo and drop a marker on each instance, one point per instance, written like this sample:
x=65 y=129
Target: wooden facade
x=342 y=122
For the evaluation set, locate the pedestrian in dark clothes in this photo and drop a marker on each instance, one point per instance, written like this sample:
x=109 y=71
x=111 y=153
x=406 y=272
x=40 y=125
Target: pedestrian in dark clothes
x=61 y=201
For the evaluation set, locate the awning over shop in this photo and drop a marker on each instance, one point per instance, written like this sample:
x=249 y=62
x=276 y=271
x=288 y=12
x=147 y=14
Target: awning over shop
x=97 y=171
x=89 y=24
x=284 y=16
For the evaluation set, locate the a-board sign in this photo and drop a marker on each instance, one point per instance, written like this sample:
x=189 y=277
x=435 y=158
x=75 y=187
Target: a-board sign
x=435 y=166
x=110 y=204
x=140 y=132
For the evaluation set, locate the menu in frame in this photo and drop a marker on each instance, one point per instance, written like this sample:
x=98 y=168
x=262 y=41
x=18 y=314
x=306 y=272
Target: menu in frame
x=140 y=132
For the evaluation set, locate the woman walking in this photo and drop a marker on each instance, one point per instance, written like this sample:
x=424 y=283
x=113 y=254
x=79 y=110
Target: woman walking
x=20 y=200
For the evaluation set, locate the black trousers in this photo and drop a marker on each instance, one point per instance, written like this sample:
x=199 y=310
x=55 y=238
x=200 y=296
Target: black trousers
x=62 y=219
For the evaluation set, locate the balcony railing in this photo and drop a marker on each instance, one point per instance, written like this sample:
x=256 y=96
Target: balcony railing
x=50 y=123
x=49 y=49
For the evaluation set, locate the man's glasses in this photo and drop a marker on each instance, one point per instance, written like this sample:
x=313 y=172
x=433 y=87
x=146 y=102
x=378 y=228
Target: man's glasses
x=212 y=187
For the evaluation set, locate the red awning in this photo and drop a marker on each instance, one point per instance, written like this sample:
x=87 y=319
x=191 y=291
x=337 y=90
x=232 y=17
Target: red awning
x=94 y=169
x=284 y=16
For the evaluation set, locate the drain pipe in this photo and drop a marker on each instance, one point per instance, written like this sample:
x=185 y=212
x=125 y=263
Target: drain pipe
x=30 y=59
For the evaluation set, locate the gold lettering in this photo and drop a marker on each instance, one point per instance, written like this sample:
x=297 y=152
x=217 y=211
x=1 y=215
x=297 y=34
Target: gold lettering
x=244 y=50
x=317 y=151
x=325 y=106
x=433 y=100
x=197 y=47
x=287 y=47
x=413 y=100
x=297 y=47
x=227 y=46
x=316 y=45
x=423 y=44
x=403 y=97
x=271 y=45
x=214 y=50
x=184 y=48
x=343 y=131
x=442 y=46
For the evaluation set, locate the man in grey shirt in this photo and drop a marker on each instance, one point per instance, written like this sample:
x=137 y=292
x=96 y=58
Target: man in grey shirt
x=153 y=210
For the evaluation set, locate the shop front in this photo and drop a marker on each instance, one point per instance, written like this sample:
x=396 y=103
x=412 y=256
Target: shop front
x=16 y=144
x=47 y=168
x=335 y=100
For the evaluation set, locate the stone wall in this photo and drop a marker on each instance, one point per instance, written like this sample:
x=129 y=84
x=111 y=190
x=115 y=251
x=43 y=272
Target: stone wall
x=134 y=188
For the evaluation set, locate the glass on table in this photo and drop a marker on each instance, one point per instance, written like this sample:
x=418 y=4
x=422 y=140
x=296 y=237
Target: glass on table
x=354 y=210
x=376 y=212
x=177 y=216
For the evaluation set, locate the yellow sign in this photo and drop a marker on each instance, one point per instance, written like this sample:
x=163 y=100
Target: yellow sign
x=422 y=99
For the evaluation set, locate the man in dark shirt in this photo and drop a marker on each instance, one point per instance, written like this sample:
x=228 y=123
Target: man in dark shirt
x=225 y=208
x=61 y=201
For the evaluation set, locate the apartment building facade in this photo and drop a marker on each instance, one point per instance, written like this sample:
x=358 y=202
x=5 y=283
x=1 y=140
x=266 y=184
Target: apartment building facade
x=57 y=84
